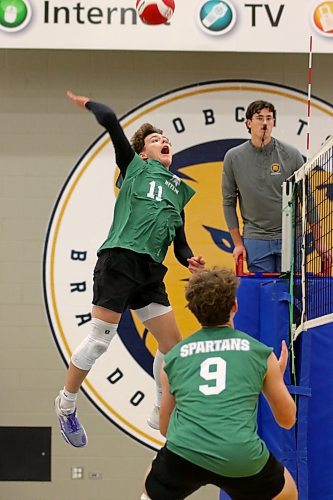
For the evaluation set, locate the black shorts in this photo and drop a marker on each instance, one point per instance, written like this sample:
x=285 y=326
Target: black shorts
x=174 y=478
x=123 y=278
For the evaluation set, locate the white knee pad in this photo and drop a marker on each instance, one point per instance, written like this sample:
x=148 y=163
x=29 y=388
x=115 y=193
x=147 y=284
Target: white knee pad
x=151 y=311
x=94 y=345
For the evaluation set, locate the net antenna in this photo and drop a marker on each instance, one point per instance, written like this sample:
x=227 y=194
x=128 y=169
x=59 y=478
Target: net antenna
x=307 y=234
x=309 y=99
x=304 y=199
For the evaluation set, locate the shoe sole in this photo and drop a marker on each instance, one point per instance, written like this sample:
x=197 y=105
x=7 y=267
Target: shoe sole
x=68 y=441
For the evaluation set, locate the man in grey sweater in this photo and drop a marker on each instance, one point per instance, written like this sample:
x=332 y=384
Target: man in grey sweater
x=253 y=173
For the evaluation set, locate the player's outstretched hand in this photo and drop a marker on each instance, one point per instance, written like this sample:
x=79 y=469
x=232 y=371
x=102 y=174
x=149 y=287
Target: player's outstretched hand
x=196 y=264
x=283 y=359
x=79 y=100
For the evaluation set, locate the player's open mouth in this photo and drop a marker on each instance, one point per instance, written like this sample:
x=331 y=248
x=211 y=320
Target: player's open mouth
x=165 y=150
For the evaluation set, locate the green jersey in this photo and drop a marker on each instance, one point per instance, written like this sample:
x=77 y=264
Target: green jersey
x=148 y=209
x=216 y=376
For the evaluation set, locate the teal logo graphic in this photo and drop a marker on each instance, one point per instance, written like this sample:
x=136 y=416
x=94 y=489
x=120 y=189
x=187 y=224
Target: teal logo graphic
x=216 y=17
x=14 y=15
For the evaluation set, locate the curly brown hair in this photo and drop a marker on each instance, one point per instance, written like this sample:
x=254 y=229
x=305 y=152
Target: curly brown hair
x=138 y=139
x=210 y=294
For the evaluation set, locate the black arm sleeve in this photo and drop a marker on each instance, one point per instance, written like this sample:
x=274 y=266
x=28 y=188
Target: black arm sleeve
x=107 y=118
x=180 y=246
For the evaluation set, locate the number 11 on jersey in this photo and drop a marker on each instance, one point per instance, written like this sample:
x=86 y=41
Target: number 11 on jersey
x=152 y=194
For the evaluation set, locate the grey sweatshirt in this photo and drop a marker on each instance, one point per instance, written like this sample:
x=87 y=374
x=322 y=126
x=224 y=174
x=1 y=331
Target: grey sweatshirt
x=255 y=177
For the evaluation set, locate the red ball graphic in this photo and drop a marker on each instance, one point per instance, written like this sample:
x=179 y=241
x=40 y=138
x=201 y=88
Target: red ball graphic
x=155 y=12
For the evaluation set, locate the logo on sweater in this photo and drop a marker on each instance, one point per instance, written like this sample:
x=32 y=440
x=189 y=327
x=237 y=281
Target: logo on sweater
x=275 y=169
x=171 y=186
x=203 y=121
x=175 y=180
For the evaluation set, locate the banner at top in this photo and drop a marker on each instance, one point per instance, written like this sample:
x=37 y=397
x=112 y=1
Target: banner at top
x=196 y=25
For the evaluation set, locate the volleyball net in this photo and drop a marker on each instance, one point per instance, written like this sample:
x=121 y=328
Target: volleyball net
x=307 y=240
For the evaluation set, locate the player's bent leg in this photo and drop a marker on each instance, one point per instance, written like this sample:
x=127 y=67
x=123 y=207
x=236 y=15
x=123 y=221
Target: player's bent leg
x=289 y=491
x=106 y=315
x=161 y=322
x=94 y=345
x=154 y=418
x=162 y=325
x=83 y=358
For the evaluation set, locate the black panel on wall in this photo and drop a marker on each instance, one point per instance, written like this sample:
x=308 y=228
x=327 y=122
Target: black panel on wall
x=25 y=453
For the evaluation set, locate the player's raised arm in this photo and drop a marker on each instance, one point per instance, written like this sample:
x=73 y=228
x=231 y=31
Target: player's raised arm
x=107 y=118
x=275 y=391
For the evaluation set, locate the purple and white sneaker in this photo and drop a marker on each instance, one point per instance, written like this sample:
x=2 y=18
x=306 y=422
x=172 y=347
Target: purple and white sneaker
x=71 y=429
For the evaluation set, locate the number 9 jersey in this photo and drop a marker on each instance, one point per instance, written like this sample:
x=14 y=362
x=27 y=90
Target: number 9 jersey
x=216 y=376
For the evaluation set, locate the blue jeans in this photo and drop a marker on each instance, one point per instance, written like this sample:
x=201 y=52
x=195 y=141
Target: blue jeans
x=263 y=256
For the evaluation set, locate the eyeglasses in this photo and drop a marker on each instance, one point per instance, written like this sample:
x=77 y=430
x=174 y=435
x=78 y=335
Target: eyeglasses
x=262 y=118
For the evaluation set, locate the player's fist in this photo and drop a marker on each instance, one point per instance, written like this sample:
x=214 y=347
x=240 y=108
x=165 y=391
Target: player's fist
x=196 y=264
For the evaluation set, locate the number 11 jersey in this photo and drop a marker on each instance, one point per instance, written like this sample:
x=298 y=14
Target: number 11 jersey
x=148 y=209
